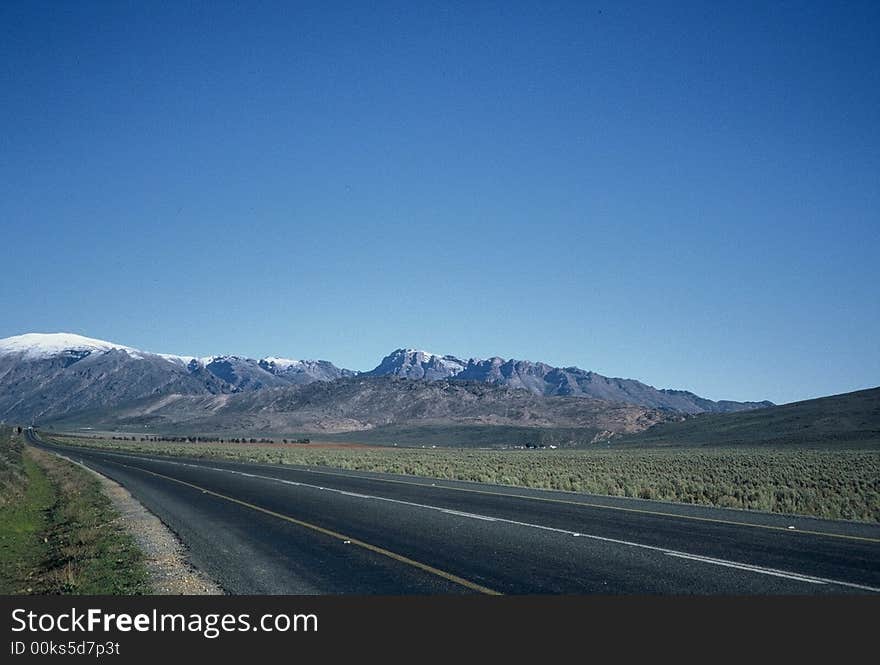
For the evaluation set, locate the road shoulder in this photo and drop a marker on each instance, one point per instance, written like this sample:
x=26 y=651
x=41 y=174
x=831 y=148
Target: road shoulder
x=165 y=558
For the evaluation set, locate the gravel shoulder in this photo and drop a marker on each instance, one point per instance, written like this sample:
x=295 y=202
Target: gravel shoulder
x=165 y=556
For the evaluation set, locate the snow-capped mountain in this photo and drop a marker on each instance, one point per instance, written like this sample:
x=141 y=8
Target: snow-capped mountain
x=304 y=371
x=250 y=374
x=418 y=364
x=58 y=373
x=543 y=379
x=34 y=346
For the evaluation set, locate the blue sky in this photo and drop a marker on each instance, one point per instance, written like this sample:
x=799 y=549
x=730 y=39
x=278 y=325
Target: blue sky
x=685 y=194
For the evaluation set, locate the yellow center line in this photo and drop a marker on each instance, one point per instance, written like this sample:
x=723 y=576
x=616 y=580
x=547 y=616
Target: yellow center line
x=473 y=586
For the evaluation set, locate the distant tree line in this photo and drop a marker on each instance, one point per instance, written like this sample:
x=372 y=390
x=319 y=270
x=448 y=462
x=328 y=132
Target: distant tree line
x=203 y=439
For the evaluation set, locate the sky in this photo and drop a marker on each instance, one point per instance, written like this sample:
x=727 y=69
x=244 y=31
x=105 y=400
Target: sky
x=683 y=193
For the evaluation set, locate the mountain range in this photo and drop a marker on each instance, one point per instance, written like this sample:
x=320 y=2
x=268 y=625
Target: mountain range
x=379 y=405
x=542 y=379
x=62 y=376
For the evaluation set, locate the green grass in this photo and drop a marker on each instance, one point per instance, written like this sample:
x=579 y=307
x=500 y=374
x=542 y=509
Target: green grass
x=58 y=532
x=836 y=484
x=23 y=520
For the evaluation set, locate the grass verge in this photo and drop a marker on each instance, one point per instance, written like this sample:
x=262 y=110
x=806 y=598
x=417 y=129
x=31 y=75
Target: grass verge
x=59 y=534
x=833 y=484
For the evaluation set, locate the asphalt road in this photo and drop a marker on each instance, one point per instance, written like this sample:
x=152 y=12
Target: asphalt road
x=267 y=529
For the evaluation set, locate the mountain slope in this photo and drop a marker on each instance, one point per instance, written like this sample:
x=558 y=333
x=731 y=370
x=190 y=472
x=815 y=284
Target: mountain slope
x=36 y=387
x=851 y=419
x=367 y=403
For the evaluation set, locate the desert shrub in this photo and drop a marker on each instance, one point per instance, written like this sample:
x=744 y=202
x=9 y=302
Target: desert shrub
x=843 y=484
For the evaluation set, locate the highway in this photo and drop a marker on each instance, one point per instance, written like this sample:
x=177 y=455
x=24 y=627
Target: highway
x=278 y=529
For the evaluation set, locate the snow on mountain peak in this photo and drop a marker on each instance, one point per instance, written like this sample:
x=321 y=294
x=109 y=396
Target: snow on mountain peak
x=427 y=354
x=179 y=360
x=282 y=363
x=46 y=345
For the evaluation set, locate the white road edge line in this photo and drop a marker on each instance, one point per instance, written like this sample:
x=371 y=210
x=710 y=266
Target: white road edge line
x=669 y=552
x=764 y=571
x=449 y=511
